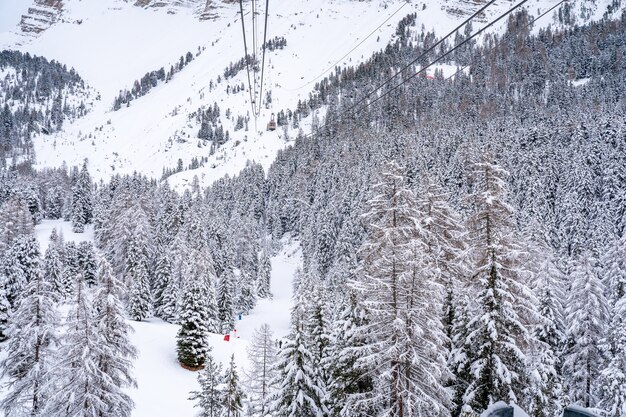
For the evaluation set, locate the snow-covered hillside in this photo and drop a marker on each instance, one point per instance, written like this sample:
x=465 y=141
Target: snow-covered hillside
x=113 y=43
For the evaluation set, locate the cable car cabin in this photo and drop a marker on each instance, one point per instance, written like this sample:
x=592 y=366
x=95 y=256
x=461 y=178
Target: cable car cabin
x=271 y=126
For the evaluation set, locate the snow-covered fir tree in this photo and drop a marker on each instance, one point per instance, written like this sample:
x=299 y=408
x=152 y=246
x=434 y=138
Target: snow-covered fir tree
x=586 y=316
x=22 y=265
x=297 y=393
x=5 y=308
x=191 y=341
x=82 y=208
x=139 y=296
x=80 y=385
x=53 y=268
x=210 y=397
x=612 y=380
x=116 y=352
x=32 y=333
x=87 y=262
x=498 y=332
x=263 y=289
x=165 y=290
x=225 y=301
x=349 y=371
x=232 y=396
x=545 y=391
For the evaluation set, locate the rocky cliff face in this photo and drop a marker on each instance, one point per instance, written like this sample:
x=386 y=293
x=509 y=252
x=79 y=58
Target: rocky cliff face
x=42 y=15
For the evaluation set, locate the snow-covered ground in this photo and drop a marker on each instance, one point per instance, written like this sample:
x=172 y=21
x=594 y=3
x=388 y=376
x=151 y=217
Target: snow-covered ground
x=44 y=229
x=163 y=385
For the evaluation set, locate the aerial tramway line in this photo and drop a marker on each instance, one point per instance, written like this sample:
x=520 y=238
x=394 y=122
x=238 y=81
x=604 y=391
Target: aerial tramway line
x=256 y=100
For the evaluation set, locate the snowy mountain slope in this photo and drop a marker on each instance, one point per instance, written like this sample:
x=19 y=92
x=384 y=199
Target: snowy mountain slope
x=113 y=43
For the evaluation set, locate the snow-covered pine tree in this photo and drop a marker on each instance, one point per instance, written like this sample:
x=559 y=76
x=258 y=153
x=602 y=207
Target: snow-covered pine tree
x=498 y=333
x=233 y=394
x=210 y=397
x=396 y=281
x=586 y=316
x=79 y=384
x=459 y=362
x=318 y=333
x=5 y=308
x=32 y=336
x=447 y=246
x=246 y=292
x=264 y=276
x=72 y=267
x=349 y=376
x=82 y=205
x=191 y=341
x=15 y=221
x=116 y=352
x=53 y=269
x=165 y=300
x=545 y=391
x=297 y=394
x=261 y=373
x=225 y=302
x=139 y=296
x=22 y=265
x=87 y=262
x=612 y=381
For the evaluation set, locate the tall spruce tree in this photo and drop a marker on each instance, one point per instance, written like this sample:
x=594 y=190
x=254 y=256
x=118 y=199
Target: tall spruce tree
x=53 y=269
x=297 y=394
x=499 y=331
x=82 y=201
x=116 y=353
x=587 y=314
x=5 y=309
x=225 y=302
x=32 y=338
x=210 y=397
x=191 y=341
x=233 y=394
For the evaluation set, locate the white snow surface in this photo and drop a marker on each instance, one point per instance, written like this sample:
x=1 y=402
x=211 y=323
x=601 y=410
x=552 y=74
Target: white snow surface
x=112 y=43
x=163 y=385
x=517 y=411
x=44 y=229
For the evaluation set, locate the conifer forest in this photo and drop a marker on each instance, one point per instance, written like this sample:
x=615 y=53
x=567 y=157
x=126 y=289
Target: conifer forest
x=434 y=229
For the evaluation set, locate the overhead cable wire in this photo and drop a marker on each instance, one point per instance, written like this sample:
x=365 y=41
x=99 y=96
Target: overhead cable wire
x=530 y=23
x=245 y=46
x=493 y=22
x=442 y=56
x=350 y=51
x=264 y=46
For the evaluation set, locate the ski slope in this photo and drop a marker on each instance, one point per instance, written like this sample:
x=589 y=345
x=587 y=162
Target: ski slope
x=113 y=43
x=164 y=386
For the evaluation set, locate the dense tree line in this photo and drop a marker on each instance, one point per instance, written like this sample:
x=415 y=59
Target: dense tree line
x=151 y=79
